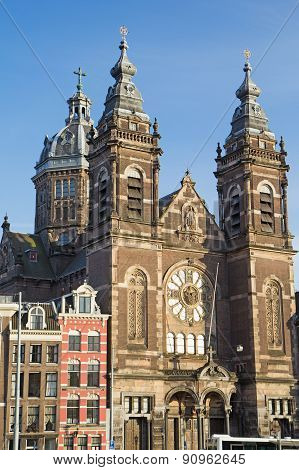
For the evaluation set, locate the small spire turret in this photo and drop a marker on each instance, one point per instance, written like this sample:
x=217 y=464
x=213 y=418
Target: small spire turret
x=6 y=225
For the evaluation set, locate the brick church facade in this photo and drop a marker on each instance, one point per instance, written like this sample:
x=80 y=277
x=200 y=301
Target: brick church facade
x=202 y=330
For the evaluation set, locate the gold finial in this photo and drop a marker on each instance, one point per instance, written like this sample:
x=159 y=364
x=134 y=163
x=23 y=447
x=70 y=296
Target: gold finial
x=247 y=54
x=123 y=31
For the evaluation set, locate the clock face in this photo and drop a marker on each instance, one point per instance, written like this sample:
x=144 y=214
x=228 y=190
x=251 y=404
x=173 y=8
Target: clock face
x=189 y=295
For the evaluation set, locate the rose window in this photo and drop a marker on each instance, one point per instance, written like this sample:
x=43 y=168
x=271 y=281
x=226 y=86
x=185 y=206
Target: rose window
x=189 y=295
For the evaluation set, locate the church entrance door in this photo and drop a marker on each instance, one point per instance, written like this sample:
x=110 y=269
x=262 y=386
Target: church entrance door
x=182 y=433
x=136 y=434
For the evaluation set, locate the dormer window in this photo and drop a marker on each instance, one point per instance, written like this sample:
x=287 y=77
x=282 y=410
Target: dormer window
x=84 y=304
x=32 y=255
x=36 y=318
x=133 y=126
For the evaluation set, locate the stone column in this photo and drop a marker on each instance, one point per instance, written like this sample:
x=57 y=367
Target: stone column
x=247 y=194
x=284 y=186
x=227 y=415
x=201 y=427
x=220 y=206
x=113 y=185
x=155 y=192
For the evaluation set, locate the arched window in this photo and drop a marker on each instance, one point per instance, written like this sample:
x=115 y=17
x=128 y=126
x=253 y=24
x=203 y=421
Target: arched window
x=273 y=314
x=135 y=194
x=137 y=306
x=93 y=341
x=200 y=344
x=74 y=374
x=37 y=318
x=266 y=206
x=73 y=410
x=93 y=374
x=180 y=343
x=191 y=344
x=58 y=189
x=103 y=194
x=74 y=340
x=235 y=211
x=170 y=343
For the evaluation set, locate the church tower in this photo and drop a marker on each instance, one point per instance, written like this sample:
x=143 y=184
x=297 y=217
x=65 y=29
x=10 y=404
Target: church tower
x=252 y=188
x=61 y=179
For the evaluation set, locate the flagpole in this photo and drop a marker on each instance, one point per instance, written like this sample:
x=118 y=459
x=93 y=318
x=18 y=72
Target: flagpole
x=213 y=306
x=18 y=379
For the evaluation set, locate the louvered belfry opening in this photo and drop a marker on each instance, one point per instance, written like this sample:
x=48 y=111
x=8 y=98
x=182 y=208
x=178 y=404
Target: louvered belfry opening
x=135 y=195
x=103 y=186
x=235 y=211
x=266 y=206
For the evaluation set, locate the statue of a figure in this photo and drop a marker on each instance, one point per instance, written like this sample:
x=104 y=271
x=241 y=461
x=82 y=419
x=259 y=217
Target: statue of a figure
x=190 y=222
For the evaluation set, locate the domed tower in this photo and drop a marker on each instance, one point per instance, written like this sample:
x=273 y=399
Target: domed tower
x=252 y=188
x=61 y=179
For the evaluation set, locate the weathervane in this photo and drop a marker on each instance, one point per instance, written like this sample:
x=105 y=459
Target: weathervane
x=247 y=54
x=80 y=75
x=123 y=31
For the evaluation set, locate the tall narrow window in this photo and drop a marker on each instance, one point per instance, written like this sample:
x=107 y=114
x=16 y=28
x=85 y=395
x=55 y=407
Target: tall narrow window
x=266 y=206
x=93 y=341
x=103 y=194
x=82 y=443
x=34 y=384
x=33 y=419
x=36 y=315
x=170 y=342
x=72 y=187
x=135 y=194
x=52 y=353
x=273 y=314
x=84 y=304
x=66 y=192
x=58 y=189
x=137 y=306
x=191 y=344
x=73 y=411
x=74 y=340
x=13 y=384
x=15 y=353
x=93 y=374
x=36 y=353
x=180 y=343
x=50 y=418
x=93 y=411
x=74 y=374
x=95 y=442
x=12 y=419
x=200 y=344
x=51 y=384
x=235 y=211
x=68 y=443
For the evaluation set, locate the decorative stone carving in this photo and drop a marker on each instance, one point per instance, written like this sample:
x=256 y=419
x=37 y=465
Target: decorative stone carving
x=273 y=314
x=137 y=306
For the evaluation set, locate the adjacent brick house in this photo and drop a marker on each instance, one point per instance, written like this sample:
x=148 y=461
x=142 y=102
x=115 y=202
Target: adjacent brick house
x=83 y=372
x=53 y=343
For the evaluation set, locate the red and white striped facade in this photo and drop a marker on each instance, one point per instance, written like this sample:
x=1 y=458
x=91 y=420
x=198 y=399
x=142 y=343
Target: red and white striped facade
x=73 y=320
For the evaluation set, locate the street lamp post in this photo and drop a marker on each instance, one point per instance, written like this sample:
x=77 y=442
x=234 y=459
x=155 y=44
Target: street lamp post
x=18 y=379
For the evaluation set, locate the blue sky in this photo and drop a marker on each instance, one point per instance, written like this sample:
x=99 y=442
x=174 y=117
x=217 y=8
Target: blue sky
x=189 y=60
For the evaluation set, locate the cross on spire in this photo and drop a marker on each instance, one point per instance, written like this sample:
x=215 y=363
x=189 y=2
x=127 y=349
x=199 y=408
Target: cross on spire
x=80 y=74
x=247 y=54
x=123 y=31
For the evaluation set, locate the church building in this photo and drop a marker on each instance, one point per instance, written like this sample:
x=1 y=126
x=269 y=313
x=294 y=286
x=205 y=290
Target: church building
x=202 y=336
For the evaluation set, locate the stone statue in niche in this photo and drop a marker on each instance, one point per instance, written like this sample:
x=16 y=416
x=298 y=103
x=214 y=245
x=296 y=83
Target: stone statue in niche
x=190 y=219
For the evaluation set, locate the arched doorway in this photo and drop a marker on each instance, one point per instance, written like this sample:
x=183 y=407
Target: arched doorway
x=182 y=422
x=215 y=417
